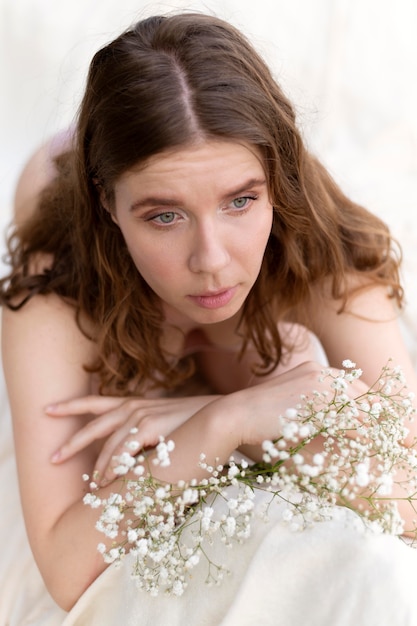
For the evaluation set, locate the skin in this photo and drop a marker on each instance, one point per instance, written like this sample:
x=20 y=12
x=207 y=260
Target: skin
x=197 y=239
x=212 y=242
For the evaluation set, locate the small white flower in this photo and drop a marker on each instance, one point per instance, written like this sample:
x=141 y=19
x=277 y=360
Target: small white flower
x=287 y=515
x=230 y=526
x=162 y=452
x=133 y=445
x=309 y=470
x=376 y=408
x=120 y=470
x=170 y=445
x=339 y=384
x=362 y=477
x=305 y=431
x=160 y=493
x=112 y=514
x=132 y=535
x=192 y=561
x=298 y=458
x=142 y=547
x=385 y=484
x=318 y=459
x=139 y=470
x=92 y=500
x=290 y=431
x=178 y=588
x=112 y=555
x=190 y=496
x=348 y=364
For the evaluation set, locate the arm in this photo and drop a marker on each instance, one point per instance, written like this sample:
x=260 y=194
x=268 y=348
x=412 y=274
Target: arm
x=115 y=417
x=368 y=333
x=156 y=417
x=44 y=353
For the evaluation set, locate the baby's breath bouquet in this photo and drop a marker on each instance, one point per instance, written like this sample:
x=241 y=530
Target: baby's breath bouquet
x=333 y=451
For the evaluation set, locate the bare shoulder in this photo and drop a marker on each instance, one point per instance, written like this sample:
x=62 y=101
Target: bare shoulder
x=366 y=330
x=43 y=318
x=37 y=173
x=366 y=299
x=44 y=351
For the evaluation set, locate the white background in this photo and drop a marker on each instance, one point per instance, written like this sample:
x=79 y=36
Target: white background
x=350 y=66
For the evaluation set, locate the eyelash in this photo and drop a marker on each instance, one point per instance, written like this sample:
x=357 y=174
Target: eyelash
x=239 y=210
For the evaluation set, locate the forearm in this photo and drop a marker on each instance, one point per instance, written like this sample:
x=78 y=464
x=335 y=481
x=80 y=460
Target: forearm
x=212 y=431
x=69 y=560
x=73 y=539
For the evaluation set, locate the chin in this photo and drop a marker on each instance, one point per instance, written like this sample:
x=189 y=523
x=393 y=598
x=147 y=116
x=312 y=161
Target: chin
x=216 y=316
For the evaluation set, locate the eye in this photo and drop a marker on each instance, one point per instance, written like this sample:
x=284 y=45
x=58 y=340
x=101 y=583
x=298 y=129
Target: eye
x=239 y=203
x=164 y=218
x=243 y=202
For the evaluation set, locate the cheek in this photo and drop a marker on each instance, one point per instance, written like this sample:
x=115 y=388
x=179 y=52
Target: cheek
x=155 y=265
x=259 y=234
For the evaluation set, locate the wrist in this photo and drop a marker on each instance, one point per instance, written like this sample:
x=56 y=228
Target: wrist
x=226 y=422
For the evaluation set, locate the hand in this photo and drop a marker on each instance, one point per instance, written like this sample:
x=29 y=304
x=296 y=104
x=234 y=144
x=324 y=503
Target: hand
x=255 y=410
x=123 y=421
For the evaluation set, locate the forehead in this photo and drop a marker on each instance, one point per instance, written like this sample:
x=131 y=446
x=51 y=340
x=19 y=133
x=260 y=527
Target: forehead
x=208 y=155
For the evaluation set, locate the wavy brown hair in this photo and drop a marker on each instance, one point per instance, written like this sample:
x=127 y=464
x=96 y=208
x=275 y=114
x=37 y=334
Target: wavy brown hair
x=165 y=83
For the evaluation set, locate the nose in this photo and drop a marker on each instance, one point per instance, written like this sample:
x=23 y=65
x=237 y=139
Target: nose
x=209 y=250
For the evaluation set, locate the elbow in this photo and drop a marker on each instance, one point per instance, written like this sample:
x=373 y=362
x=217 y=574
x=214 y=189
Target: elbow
x=66 y=590
x=67 y=584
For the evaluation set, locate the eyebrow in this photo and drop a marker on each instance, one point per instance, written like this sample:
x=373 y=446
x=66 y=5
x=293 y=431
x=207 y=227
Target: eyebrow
x=164 y=201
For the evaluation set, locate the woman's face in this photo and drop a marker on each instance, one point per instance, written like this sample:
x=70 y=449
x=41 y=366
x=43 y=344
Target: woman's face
x=196 y=222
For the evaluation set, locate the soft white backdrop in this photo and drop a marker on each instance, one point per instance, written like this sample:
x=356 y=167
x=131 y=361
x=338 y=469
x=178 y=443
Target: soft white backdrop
x=349 y=65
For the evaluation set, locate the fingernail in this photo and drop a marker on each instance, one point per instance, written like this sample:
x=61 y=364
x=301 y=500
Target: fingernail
x=56 y=456
x=51 y=408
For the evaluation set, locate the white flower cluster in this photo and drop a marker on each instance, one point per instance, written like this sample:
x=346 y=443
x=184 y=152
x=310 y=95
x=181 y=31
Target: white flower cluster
x=150 y=519
x=362 y=462
x=359 y=461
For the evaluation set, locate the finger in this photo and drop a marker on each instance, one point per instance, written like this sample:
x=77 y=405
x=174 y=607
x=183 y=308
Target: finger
x=87 y=404
x=138 y=434
x=96 y=429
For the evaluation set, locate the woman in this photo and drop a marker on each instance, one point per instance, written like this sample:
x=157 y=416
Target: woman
x=168 y=277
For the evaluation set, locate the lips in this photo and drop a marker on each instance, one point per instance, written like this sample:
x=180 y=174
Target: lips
x=214 y=299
